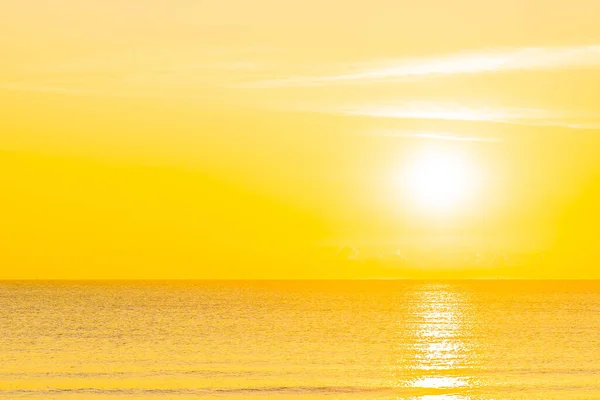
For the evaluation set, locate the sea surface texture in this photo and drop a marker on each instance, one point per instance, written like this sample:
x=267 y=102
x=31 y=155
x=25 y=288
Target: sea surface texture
x=300 y=340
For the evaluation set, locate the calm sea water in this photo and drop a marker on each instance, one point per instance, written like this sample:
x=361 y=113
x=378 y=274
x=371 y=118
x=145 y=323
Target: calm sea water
x=300 y=340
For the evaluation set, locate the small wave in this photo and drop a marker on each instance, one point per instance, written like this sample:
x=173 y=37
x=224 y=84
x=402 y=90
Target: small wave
x=221 y=392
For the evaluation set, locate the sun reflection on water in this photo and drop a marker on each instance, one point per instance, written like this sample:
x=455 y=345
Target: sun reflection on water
x=440 y=343
x=438 y=382
x=441 y=397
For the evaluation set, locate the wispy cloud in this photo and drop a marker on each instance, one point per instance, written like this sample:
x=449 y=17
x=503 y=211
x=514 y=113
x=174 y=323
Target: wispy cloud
x=141 y=73
x=436 y=136
x=489 y=61
x=447 y=111
x=45 y=87
x=70 y=89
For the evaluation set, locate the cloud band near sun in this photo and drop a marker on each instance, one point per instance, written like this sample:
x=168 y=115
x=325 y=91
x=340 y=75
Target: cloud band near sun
x=475 y=62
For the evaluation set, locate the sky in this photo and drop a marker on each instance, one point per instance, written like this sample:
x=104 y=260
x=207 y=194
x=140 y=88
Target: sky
x=317 y=139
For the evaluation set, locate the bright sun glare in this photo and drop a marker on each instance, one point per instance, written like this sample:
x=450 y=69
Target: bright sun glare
x=440 y=180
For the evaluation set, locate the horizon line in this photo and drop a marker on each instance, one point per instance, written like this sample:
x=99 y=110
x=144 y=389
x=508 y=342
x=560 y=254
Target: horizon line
x=283 y=279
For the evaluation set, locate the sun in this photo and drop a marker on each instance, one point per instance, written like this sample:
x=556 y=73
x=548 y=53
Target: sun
x=440 y=180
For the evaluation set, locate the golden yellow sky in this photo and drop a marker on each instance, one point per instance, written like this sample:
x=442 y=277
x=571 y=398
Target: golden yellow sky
x=270 y=139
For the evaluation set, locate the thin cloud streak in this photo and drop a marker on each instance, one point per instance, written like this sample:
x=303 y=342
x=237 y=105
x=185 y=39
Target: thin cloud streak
x=42 y=87
x=527 y=58
x=458 y=112
x=143 y=72
x=437 y=136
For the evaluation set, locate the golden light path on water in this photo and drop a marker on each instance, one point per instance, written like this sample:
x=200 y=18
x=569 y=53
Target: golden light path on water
x=441 y=348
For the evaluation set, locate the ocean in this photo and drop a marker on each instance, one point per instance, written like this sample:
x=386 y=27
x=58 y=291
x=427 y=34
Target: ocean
x=300 y=339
